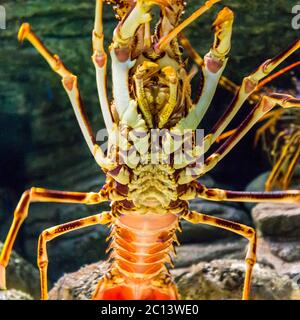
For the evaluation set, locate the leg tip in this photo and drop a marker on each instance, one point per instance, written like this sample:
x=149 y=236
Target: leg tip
x=225 y=15
x=2 y=278
x=24 y=31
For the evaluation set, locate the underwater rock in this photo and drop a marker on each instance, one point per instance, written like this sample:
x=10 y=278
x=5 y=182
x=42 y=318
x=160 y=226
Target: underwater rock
x=279 y=237
x=195 y=233
x=189 y=254
x=79 y=285
x=278 y=220
x=288 y=251
x=14 y=295
x=21 y=275
x=223 y=279
x=219 y=279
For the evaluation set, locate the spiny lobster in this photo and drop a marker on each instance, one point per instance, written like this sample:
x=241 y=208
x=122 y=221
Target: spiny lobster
x=152 y=92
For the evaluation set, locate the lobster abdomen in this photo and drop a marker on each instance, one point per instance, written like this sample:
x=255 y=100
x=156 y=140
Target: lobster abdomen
x=141 y=246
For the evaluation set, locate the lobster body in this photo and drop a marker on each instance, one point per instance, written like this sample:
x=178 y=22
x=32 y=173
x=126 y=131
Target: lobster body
x=154 y=156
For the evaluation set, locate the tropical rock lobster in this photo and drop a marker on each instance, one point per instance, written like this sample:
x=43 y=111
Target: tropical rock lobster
x=149 y=184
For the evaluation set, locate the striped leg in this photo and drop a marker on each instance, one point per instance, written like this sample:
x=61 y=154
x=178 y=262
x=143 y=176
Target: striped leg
x=285 y=165
x=54 y=232
x=249 y=85
x=264 y=106
x=273 y=117
x=240 y=229
x=224 y=82
x=292 y=166
x=70 y=84
x=21 y=212
x=213 y=194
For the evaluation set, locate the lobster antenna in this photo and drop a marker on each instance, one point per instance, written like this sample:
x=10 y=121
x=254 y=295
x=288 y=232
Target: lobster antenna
x=164 y=41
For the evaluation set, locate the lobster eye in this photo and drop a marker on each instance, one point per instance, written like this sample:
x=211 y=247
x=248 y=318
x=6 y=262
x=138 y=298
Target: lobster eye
x=181 y=49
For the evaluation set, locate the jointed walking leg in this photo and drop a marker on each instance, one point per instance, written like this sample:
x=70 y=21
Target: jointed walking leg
x=213 y=194
x=285 y=165
x=273 y=117
x=240 y=229
x=21 y=212
x=291 y=168
x=249 y=85
x=212 y=67
x=264 y=106
x=70 y=85
x=54 y=232
x=100 y=61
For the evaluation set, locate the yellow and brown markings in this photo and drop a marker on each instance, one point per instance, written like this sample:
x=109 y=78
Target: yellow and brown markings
x=273 y=196
x=43 y=195
x=290 y=196
x=54 y=232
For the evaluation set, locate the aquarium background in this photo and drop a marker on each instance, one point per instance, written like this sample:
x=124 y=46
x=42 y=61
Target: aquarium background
x=41 y=143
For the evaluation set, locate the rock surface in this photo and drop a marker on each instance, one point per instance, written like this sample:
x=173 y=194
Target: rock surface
x=279 y=237
x=278 y=220
x=21 y=275
x=14 y=295
x=189 y=254
x=223 y=279
x=219 y=279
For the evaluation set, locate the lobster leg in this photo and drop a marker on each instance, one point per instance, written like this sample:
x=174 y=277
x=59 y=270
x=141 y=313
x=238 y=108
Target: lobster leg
x=291 y=168
x=265 y=105
x=54 y=232
x=70 y=84
x=212 y=68
x=213 y=194
x=240 y=229
x=192 y=53
x=285 y=164
x=273 y=117
x=100 y=62
x=41 y=195
x=249 y=85
x=121 y=59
